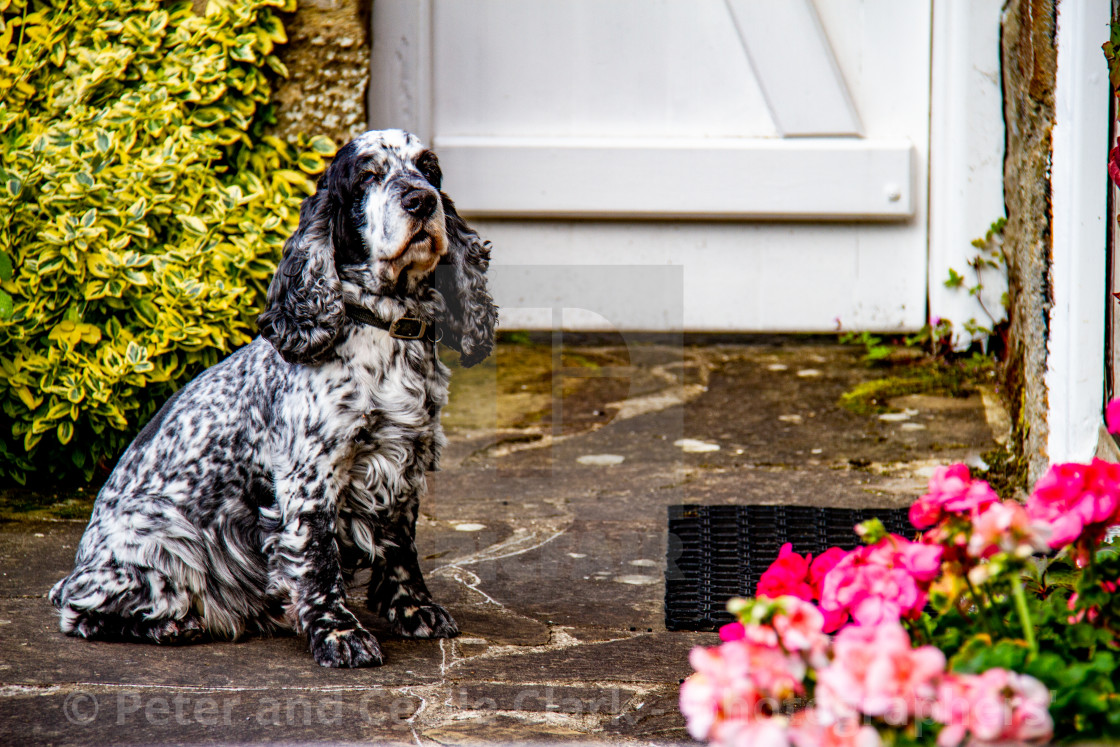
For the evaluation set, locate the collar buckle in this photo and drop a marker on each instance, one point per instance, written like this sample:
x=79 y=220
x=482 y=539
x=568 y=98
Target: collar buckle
x=408 y=328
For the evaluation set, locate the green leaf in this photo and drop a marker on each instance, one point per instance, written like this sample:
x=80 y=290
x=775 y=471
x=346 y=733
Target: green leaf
x=208 y=116
x=243 y=52
x=134 y=354
x=6 y=305
x=312 y=163
x=272 y=26
x=193 y=224
x=5 y=267
x=14 y=185
x=277 y=66
x=147 y=311
x=322 y=145
x=58 y=54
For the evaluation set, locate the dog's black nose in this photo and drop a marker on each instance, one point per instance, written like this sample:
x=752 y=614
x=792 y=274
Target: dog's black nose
x=419 y=202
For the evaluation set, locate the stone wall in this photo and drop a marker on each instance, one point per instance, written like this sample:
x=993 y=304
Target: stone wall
x=327 y=56
x=1029 y=56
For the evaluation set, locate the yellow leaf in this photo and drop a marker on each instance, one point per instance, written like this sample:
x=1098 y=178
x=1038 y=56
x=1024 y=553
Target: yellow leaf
x=30 y=400
x=89 y=333
x=57 y=410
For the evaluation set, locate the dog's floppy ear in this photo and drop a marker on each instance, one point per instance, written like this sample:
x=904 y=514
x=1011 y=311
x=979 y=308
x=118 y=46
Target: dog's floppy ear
x=461 y=279
x=304 y=312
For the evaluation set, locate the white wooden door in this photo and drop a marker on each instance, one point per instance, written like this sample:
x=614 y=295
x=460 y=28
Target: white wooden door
x=774 y=152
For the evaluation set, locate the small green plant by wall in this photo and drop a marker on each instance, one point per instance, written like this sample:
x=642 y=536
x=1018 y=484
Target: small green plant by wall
x=144 y=211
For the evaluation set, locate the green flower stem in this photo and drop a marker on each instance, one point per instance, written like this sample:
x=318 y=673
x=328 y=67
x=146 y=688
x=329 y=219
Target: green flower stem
x=1024 y=613
x=927 y=627
x=979 y=601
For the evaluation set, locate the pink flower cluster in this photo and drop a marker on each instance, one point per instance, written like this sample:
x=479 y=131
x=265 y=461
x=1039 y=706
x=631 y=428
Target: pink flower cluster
x=967 y=519
x=882 y=582
x=996 y=707
x=1006 y=527
x=803 y=577
x=736 y=694
x=951 y=491
x=1078 y=503
x=875 y=671
x=866 y=671
x=737 y=686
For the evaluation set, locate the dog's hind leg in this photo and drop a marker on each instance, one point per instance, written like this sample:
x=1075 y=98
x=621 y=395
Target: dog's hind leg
x=126 y=602
x=397 y=590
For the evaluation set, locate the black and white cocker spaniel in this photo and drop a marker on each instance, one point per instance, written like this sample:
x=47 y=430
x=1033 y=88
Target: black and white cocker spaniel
x=250 y=499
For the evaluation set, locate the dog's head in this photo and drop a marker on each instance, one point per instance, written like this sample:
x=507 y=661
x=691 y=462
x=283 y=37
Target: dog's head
x=379 y=227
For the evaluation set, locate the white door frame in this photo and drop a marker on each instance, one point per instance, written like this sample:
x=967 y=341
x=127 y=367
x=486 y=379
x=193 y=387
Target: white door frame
x=1078 y=193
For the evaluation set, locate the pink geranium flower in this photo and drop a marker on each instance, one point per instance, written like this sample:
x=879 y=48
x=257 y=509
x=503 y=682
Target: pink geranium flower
x=1112 y=416
x=810 y=728
x=996 y=707
x=822 y=564
x=732 y=632
x=1114 y=164
x=793 y=575
x=762 y=732
x=951 y=490
x=730 y=682
x=1006 y=527
x=886 y=581
x=1078 y=502
x=874 y=671
x=787 y=576
x=800 y=629
x=721 y=689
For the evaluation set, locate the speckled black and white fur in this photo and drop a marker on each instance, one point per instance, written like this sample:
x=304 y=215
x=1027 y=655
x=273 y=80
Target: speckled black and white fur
x=259 y=488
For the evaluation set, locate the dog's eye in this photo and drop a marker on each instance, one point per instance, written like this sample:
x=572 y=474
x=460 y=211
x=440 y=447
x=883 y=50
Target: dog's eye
x=372 y=177
x=428 y=165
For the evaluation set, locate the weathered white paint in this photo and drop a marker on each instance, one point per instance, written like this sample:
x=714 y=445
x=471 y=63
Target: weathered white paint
x=641 y=71
x=966 y=156
x=822 y=178
x=795 y=68
x=1075 y=361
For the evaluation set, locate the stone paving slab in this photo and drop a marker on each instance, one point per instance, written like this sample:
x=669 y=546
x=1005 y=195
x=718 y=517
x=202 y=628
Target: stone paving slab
x=87 y=715
x=34 y=555
x=552 y=563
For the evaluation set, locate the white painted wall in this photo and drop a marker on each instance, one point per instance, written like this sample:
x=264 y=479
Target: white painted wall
x=966 y=156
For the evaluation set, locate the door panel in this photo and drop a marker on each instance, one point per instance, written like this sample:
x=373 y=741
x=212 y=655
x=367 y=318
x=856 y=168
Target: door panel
x=792 y=137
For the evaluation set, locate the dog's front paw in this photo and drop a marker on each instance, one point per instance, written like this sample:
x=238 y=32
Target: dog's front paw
x=423 y=621
x=355 y=647
x=189 y=629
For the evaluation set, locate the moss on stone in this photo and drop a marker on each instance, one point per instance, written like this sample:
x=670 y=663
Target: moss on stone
x=931 y=376
x=1007 y=473
x=28 y=505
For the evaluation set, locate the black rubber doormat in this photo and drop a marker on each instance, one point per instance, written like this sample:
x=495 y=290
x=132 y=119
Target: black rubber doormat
x=718 y=552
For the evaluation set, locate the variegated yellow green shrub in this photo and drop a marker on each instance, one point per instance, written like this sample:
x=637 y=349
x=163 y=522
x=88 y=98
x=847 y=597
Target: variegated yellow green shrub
x=143 y=212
